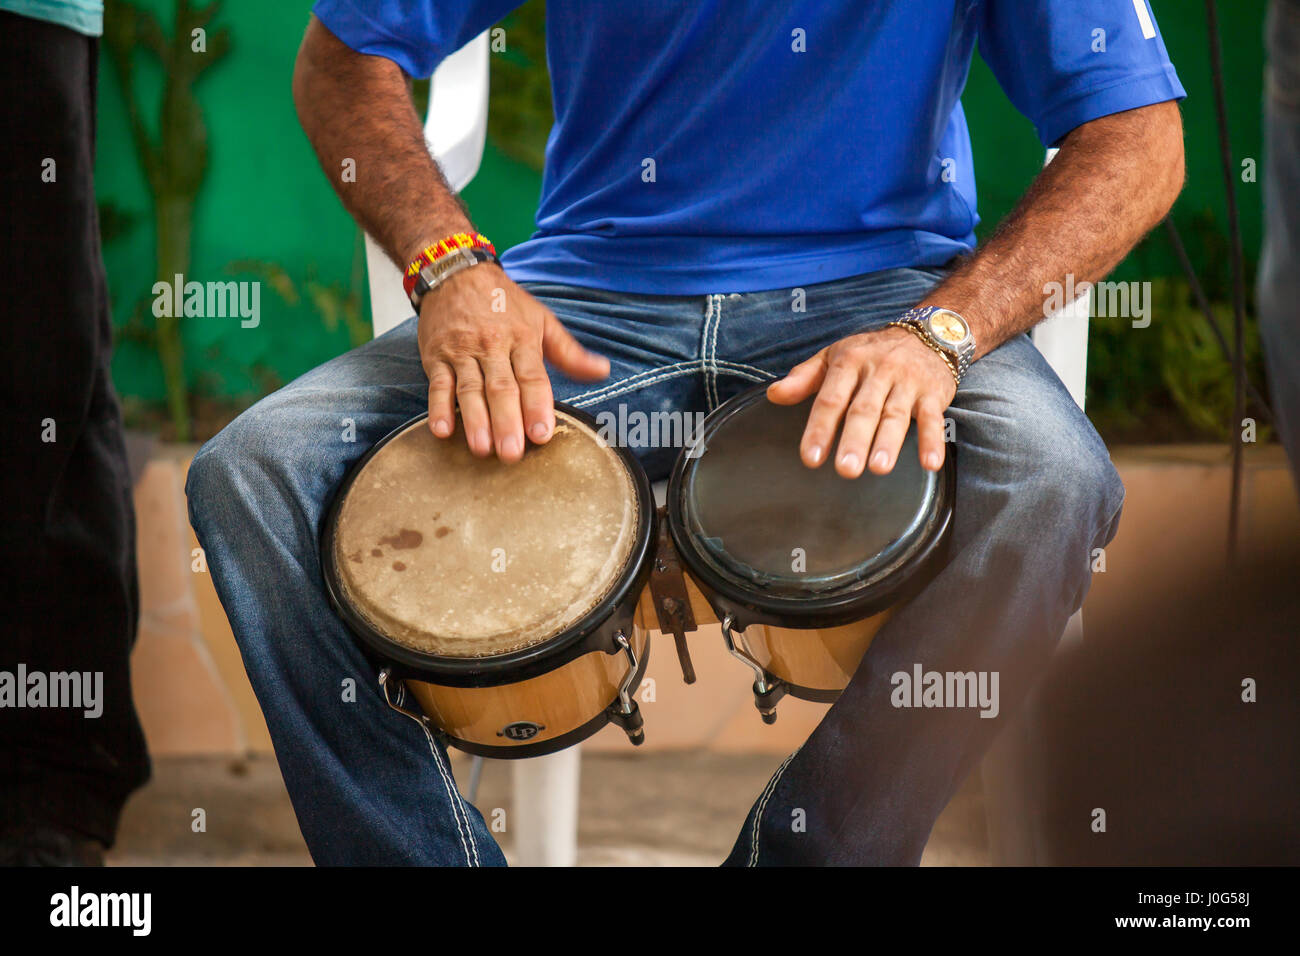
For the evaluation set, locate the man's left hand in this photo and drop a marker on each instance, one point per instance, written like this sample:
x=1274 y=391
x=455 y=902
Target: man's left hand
x=876 y=383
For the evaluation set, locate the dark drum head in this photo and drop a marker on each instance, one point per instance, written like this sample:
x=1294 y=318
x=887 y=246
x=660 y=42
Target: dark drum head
x=777 y=542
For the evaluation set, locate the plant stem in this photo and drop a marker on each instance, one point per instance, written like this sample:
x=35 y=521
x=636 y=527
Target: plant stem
x=175 y=223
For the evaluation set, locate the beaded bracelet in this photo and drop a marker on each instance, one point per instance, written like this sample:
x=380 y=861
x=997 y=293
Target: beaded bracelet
x=431 y=266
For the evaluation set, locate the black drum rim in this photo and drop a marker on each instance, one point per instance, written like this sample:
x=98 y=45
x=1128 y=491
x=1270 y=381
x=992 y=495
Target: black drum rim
x=750 y=605
x=580 y=638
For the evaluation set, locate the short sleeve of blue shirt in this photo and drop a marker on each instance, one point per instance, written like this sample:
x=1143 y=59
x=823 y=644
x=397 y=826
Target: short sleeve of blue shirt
x=1066 y=62
x=417 y=35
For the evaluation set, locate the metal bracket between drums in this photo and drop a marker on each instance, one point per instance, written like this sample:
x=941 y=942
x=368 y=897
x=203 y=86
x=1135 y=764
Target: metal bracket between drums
x=626 y=713
x=768 y=690
x=672 y=603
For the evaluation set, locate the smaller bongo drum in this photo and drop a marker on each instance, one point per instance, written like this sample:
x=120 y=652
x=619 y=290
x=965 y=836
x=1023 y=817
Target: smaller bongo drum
x=503 y=596
x=800 y=565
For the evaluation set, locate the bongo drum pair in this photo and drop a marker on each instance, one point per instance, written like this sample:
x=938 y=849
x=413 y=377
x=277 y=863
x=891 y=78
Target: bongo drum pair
x=516 y=602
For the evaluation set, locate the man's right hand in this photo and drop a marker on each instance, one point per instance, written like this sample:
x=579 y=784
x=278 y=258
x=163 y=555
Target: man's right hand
x=491 y=362
x=358 y=113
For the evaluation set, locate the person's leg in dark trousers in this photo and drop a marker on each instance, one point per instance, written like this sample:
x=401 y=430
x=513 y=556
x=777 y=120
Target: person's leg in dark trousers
x=67 y=541
x=1279 y=263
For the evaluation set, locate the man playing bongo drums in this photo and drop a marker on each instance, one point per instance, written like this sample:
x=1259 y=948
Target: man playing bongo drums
x=735 y=192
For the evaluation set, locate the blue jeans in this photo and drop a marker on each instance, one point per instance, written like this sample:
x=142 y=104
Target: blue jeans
x=1036 y=493
x=1278 y=290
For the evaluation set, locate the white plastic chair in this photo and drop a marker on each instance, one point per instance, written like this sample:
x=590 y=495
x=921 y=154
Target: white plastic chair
x=455 y=130
x=545 y=819
x=546 y=788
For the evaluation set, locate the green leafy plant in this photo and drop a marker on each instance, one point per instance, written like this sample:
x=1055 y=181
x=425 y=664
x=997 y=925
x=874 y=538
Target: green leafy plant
x=175 y=159
x=336 y=303
x=1168 y=382
x=1194 y=370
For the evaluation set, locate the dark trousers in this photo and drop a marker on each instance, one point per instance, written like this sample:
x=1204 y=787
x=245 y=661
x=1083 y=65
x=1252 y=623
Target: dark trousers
x=67 y=527
x=1279 y=260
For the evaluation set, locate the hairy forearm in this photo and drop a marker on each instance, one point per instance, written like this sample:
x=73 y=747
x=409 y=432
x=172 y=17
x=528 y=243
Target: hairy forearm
x=357 y=112
x=1113 y=180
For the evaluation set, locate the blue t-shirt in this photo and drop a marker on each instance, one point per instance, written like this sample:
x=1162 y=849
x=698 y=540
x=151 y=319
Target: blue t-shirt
x=738 y=145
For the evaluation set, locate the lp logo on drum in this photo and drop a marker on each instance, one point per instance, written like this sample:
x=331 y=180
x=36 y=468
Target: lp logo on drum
x=521 y=730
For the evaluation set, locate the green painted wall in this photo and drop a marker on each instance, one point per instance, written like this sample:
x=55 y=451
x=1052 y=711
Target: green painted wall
x=265 y=198
x=1007 y=153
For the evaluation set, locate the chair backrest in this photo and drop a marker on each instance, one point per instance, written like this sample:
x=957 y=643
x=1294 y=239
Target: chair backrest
x=455 y=130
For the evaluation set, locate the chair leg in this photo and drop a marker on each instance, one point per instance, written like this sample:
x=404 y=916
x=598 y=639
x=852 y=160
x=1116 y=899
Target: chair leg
x=545 y=821
x=475 y=778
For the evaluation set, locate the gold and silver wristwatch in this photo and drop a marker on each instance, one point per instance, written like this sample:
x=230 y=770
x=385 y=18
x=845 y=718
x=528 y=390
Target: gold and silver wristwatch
x=944 y=331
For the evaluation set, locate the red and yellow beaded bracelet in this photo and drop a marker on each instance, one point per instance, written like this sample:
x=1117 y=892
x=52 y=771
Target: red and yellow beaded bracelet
x=467 y=241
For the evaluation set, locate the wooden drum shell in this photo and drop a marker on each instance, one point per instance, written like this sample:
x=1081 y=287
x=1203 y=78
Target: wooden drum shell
x=568 y=703
x=816 y=663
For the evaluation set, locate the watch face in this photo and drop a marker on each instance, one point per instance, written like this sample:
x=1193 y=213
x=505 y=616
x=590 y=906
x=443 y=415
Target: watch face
x=948 y=326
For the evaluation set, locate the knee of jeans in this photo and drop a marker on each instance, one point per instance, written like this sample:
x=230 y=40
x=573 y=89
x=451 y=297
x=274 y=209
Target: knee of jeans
x=235 y=460
x=1072 y=480
x=1106 y=496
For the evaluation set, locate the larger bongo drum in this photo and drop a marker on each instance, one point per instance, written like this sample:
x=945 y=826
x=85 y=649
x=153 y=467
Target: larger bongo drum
x=502 y=596
x=800 y=565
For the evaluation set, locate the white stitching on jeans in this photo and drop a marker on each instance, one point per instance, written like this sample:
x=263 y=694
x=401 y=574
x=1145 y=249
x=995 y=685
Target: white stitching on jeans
x=451 y=787
x=745 y=375
x=596 y=394
x=741 y=366
x=708 y=365
x=744 y=371
x=704 y=346
x=633 y=386
x=456 y=801
x=627 y=385
x=762 y=805
x=713 y=352
x=450 y=781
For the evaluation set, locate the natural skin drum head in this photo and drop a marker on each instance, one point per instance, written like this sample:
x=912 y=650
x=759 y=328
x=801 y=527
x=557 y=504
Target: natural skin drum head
x=456 y=556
